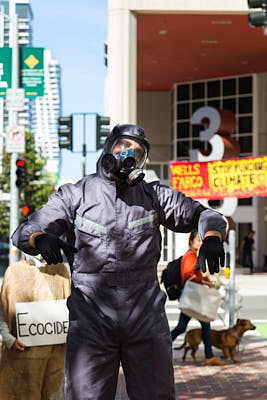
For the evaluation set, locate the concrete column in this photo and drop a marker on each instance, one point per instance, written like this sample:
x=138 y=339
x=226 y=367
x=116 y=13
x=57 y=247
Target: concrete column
x=162 y=243
x=170 y=245
x=260 y=147
x=181 y=244
x=122 y=56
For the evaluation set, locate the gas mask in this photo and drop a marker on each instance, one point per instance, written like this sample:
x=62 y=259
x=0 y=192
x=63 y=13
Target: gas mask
x=126 y=160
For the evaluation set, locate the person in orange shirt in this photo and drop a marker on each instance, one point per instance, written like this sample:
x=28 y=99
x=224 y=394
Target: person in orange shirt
x=188 y=272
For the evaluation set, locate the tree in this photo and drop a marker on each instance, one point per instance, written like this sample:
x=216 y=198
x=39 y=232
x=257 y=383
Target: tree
x=33 y=193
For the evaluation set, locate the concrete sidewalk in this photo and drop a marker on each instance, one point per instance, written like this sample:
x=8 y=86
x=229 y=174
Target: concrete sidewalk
x=244 y=381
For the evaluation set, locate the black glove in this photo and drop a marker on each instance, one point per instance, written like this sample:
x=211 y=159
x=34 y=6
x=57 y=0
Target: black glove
x=49 y=247
x=212 y=250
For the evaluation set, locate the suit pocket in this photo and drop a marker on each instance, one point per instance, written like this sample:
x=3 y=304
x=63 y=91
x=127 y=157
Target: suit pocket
x=92 y=242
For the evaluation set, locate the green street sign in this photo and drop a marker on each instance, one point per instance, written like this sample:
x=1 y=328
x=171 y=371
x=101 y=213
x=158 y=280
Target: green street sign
x=5 y=69
x=32 y=71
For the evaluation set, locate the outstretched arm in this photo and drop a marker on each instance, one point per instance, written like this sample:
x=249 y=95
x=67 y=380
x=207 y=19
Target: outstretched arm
x=183 y=214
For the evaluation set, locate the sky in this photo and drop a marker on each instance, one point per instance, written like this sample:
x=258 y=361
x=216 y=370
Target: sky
x=75 y=32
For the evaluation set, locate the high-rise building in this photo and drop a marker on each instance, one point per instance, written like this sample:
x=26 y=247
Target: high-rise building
x=25 y=16
x=46 y=110
x=40 y=115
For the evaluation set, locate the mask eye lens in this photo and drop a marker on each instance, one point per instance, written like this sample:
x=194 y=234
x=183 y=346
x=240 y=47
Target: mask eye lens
x=139 y=154
x=123 y=144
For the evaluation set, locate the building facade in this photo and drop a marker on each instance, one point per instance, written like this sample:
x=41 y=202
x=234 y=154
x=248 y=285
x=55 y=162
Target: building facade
x=166 y=59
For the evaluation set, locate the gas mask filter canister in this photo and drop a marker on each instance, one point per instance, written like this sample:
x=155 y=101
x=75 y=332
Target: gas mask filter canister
x=125 y=164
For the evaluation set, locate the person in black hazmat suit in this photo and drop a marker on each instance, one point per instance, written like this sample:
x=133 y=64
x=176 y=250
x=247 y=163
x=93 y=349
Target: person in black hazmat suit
x=116 y=307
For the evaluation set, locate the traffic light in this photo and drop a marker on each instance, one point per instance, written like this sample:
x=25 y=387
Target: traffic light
x=65 y=132
x=101 y=130
x=258 y=18
x=20 y=172
x=27 y=209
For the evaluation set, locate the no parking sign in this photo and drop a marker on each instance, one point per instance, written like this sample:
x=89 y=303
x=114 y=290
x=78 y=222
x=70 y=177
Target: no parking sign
x=15 y=140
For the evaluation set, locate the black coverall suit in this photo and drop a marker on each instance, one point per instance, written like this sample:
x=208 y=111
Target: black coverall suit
x=116 y=308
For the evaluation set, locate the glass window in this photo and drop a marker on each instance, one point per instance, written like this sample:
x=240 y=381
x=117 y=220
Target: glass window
x=215 y=203
x=182 y=92
x=214 y=89
x=245 y=105
x=197 y=105
x=214 y=103
x=6 y=6
x=198 y=90
x=229 y=87
x=245 y=125
x=243 y=230
x=183 y=148
x=183 y=111
x=166 y=169
x=195 y=144
x=196 y=128
x=183 y=129
x=205 y=148
x=22 y=10
x=245 y=85
x=229 y=104
x=245 y=202
x=245 y=144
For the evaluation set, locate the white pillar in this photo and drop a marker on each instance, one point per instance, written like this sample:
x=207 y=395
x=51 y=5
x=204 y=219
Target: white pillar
x=181 y=244
x=121 y=77
x=170 y=245
x=12 y=121
x=162 y=243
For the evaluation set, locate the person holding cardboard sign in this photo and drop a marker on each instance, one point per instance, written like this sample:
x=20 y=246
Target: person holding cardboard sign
x=37 y=371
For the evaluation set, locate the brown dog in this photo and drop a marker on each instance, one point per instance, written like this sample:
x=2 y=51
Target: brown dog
x=226 y=339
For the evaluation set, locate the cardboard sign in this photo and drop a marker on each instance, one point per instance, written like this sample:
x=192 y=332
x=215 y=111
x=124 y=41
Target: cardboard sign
x=41 y=323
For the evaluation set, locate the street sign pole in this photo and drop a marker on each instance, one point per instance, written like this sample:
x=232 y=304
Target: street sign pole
x=84 y=145
x=14 y=193
x=232 y=279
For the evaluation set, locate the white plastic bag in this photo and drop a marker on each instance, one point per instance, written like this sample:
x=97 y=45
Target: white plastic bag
x=199 y=301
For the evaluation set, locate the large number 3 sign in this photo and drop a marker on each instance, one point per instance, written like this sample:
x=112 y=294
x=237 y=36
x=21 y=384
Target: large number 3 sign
x=219 y=125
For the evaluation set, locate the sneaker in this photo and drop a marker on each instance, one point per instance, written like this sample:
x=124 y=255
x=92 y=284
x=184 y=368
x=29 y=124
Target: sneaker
x=214 y=361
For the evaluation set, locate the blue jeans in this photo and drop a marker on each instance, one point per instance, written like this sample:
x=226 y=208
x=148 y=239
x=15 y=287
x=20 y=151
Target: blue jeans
x=206 y=336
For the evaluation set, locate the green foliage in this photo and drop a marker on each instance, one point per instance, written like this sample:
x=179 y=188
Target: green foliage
x=33 y=193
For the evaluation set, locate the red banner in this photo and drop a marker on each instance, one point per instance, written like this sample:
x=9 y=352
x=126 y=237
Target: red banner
x=243 y=177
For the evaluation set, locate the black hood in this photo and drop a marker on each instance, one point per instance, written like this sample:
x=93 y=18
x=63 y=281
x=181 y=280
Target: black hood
x=135 y=132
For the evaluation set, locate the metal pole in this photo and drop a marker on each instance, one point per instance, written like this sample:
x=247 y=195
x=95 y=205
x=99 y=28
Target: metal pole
x=232 y=278
x=14 y=193
x=84 y=144
x=1 y=99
